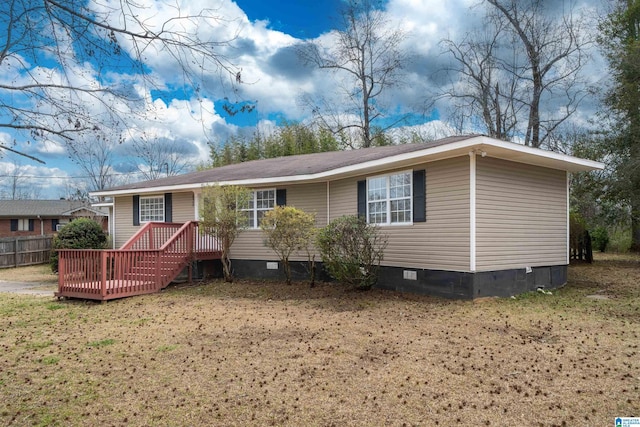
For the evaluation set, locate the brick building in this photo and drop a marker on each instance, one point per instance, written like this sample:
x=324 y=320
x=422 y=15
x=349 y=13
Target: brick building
x=44 y=217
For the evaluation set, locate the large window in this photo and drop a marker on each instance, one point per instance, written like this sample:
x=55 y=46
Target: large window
x=152 y=209
x=389 y=199
x=260 y=202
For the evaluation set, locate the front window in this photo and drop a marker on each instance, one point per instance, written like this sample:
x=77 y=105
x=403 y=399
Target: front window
x=152 y=209
x=389 y=199
x=260 y=201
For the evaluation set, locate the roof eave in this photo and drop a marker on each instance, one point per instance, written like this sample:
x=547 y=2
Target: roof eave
x=479 y=144
x=87 y=208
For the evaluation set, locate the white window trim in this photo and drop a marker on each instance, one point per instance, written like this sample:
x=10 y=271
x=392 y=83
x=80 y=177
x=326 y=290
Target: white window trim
x=388 y=199
x=254 y=211
x=155 y=196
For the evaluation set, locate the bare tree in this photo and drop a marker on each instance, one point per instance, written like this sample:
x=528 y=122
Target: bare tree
x=158 y=157
x=94 y=154
x=222 y=217
x=15 y=182
x=488 y=89
x=367 y=59
x=554 y=45
x=521 y=72
x=61 y=61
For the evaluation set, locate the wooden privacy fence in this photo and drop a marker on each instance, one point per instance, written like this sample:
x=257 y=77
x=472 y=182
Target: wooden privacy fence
x=25 y=250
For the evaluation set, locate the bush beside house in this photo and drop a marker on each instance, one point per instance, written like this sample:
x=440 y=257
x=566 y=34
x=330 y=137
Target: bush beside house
x=351 y=251
x=83 y=233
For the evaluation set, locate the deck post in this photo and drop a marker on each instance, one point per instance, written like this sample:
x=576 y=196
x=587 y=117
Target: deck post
x=103 y=271
x=151 y=240
x=189 y=250
x=158 y=278
x=61 y=270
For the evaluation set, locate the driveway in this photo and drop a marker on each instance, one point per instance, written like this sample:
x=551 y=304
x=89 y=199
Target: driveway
x=25 y=288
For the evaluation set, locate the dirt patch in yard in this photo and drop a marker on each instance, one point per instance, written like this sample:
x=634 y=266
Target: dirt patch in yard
x=263 y=353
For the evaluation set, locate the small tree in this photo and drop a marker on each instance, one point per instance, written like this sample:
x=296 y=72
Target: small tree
x=81 y=233
x=287 y=230
x=221 y=216
x=352 y=250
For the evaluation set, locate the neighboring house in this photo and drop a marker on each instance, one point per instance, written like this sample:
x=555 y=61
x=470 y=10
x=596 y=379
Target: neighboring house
x=43 y=217
x=466 y=216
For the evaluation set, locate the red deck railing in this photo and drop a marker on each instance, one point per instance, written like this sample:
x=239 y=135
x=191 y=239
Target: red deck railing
x=146 y=263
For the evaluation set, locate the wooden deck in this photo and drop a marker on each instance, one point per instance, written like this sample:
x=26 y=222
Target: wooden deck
x=145 y=264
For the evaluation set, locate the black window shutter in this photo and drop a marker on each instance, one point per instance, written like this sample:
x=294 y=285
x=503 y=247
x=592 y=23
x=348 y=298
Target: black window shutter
x=281 y=197
x=32 y=225
x=168 y=208
x=14 y=225
x=54 y=224
x=419 y=196
x=136 y=210
x=362 y=199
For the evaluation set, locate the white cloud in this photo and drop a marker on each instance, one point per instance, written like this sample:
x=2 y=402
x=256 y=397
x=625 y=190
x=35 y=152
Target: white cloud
x=270 y=72
x=21 y=179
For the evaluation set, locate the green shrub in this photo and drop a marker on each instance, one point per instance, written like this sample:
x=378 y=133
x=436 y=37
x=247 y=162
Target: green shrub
x=288 y=230
x=620 y=240
x=82 y=233
x=351 y=251
x=600 y=237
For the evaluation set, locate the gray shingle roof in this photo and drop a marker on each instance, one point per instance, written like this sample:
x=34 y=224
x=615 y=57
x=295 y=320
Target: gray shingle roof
x=44 y=208
x=305 y=164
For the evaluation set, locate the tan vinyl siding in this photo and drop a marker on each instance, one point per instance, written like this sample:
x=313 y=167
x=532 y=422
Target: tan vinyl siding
x=183 y=207
x=442 y=242
x=521 y=215
x=310 y=198
x=181 y=203
x=124 y=220
x=343 y=197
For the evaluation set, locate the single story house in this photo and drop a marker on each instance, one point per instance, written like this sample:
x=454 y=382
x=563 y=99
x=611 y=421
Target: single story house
x=465 y=216
x=44 y=217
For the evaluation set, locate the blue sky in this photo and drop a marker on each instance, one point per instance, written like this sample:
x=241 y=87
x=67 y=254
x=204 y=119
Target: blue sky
x=301 y=19
x=264 y=38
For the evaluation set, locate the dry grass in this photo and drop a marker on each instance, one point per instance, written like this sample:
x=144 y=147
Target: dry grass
x=267 y=354
x=33 y=273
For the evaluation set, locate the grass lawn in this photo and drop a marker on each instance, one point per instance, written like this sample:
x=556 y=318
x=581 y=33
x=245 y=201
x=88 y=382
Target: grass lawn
x=264 y=354
x=34 y=273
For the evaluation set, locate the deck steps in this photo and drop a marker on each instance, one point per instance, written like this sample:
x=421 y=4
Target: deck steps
x=146 y=263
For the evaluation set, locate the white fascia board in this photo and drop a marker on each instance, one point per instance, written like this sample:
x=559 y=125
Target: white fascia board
x=405 y=159
x=569 y=163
